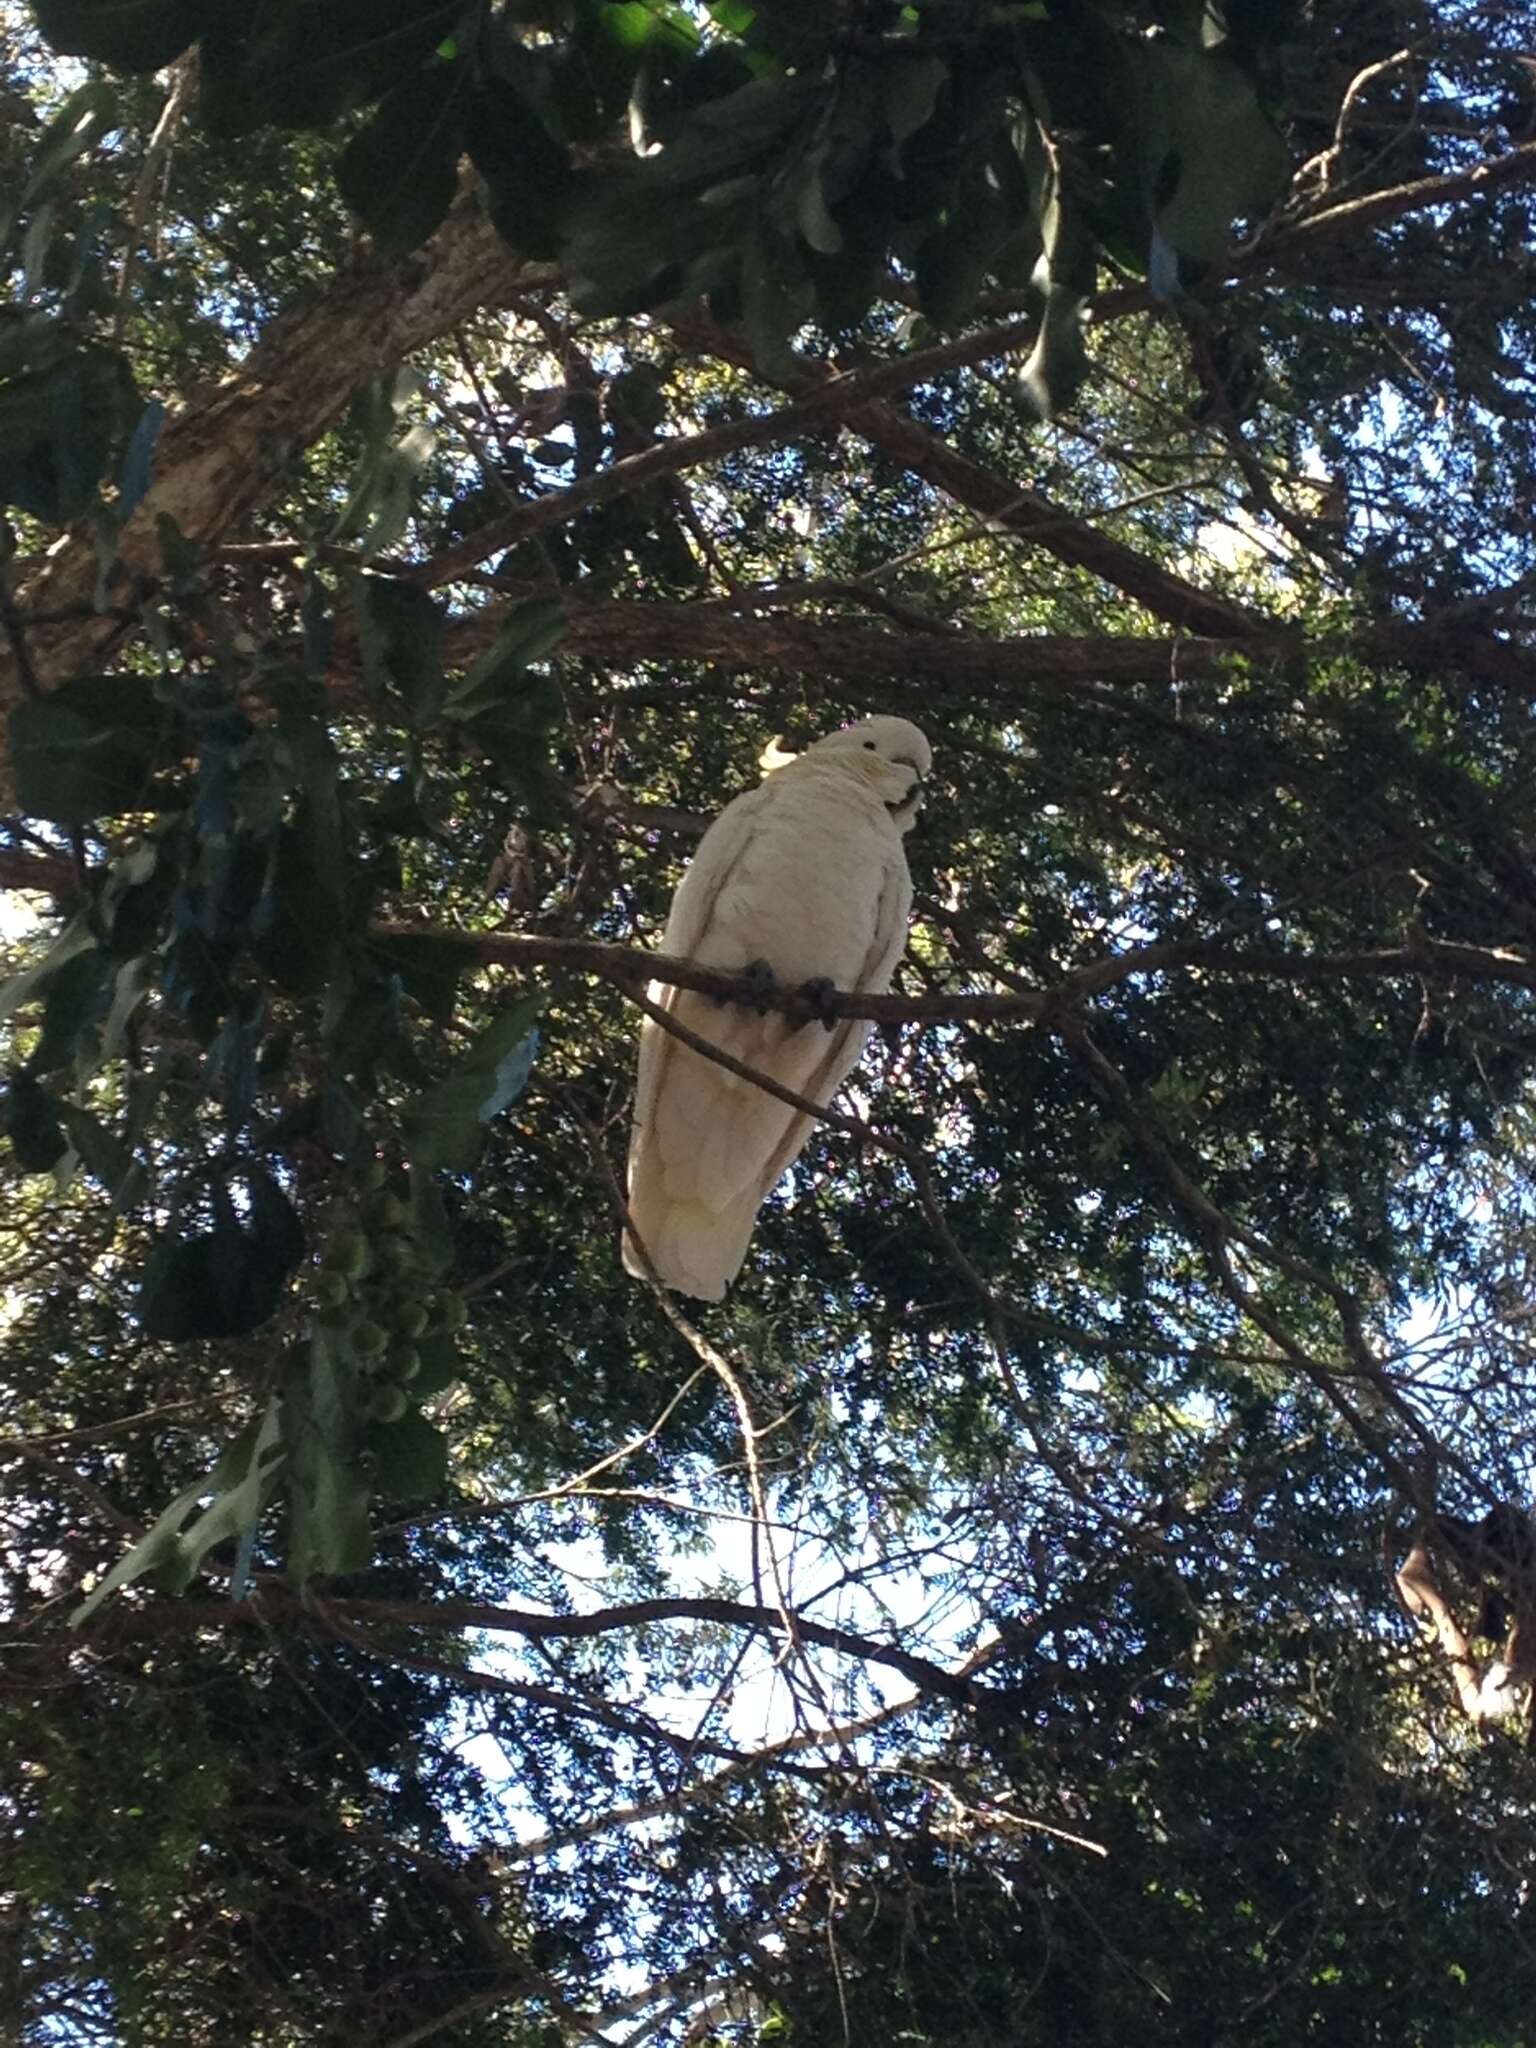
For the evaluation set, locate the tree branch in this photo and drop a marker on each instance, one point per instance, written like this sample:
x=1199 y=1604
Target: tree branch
x=630 y=967
x=275 y=1599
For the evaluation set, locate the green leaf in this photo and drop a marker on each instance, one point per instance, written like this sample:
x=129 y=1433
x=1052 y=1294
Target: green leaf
x=671 y=226
x=78 y=126
x=298 y=65
x=180 y=558
x=530 y=632
x=777 y=298
x=30 y=1118
x=527 y=172
x=22 y=988
x=379 y=504
x=910 y=85
x=410 y=1457
x=429 y=969
x=227 y=1281
x=442 y=1363
x=637 y=396
x=507 y=711
x=343 y=1126
x=399 y=172
x=953 y=261
x=137 y=469
x=241 y=1484
x=1066 y=272
x=817 y=227
x=400 y=632
x=1058 y=362
x=90 y=749
x=328 y=1495
x=445 y=1126
x=307 y=908
x=60 y=428
x=79 y=996
x=102 y=1153
x=1209 y=152
x=130 y=35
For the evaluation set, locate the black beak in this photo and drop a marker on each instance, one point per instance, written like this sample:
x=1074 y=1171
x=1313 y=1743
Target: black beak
x=912 y=802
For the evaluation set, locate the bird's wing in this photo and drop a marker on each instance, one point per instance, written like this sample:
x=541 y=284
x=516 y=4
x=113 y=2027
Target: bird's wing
x=847 y=1039
x=707 y=874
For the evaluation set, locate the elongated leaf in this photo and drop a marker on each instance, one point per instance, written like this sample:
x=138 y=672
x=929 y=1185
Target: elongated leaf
x=399 y=172
x=410 y=1457
x=226 y=1281
x=137 y=470
x=241 y=1484
x=400 y=632
x=79 y=996
x=298 y=65
x=29 y=1117
x=22 y=988
x=777 y=298
x=445 y=1126
x=428 y=967
x=131 y=35
x=102 y=1153
x=90 y=749
x=328 y=1495
x=60 y=427
x=78 y=126
x=1210 y=154
x=526 y=171
x=530 y=632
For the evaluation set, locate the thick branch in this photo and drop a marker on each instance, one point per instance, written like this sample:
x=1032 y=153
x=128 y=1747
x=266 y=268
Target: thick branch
x=825 y=406
x=230 y=445
x=945 y=665
x=1003 y=502
x=1419 y=1586
x=1396 y=202
x=468 y=1614
x=630 y=967
x=1011 y=508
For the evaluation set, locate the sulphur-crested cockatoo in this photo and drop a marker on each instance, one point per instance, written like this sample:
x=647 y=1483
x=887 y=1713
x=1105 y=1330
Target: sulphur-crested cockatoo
x=805 y=876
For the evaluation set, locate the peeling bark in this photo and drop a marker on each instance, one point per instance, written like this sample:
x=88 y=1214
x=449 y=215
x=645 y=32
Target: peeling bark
x=1495 y=1689
x=230 y=444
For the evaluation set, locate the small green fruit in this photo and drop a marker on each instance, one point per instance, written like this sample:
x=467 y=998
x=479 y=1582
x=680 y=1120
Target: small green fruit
x=405 y=1363
x=348 y=1253
x=331 y=1290
x=388 y=1405
x=369 y=1341
x=412 y=1319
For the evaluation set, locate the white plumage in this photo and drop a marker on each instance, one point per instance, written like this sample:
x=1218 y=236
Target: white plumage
x=806 y=873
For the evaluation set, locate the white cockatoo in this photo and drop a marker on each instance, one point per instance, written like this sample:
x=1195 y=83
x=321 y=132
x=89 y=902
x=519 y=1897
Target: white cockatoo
x=804 y=877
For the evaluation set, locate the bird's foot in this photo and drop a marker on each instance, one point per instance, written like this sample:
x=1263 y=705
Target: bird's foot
x=816 y=995
x=762 y=983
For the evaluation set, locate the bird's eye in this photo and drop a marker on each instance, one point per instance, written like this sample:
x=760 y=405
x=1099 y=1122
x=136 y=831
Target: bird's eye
x=870 y=744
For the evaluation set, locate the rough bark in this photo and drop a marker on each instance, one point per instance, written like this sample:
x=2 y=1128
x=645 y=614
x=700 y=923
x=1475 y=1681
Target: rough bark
x=229 y=445
x=732 y=637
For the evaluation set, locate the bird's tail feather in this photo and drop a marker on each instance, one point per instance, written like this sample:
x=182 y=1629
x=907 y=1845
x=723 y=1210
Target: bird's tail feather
x=695 y=1249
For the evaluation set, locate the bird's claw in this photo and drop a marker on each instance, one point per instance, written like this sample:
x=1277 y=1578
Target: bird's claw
x=816 y=994
x=762 y=983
